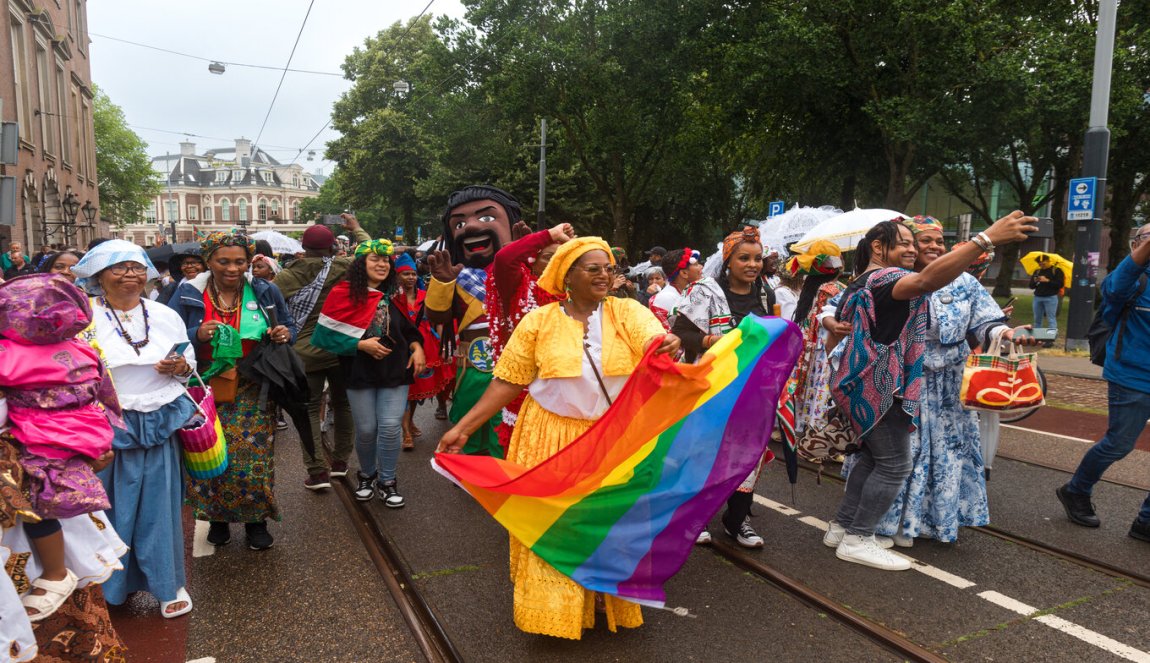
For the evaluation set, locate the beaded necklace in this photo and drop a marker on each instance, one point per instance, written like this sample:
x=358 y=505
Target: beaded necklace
x=227 y=314
x=124 y=334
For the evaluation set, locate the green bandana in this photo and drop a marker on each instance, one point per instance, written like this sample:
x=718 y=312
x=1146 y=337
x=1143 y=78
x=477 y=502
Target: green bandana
x=227 y=343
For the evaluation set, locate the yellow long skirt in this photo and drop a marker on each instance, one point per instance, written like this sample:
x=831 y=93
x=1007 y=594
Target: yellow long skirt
x=546 y=601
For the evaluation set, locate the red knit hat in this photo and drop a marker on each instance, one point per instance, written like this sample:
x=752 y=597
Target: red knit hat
x=318 y=237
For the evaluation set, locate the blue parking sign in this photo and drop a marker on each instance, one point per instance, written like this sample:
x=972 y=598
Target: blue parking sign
x=1080 y=202
x=777 y=207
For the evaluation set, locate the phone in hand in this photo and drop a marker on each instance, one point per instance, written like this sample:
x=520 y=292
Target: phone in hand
x=178 y=350
x=1038 y=333
x=1010 y=302
x=332 y=220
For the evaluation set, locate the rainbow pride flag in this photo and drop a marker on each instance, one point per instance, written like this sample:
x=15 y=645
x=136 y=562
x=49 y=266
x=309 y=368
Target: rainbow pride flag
x=618 y=509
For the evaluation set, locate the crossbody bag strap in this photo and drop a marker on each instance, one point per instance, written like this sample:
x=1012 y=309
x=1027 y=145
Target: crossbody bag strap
x=595 y=369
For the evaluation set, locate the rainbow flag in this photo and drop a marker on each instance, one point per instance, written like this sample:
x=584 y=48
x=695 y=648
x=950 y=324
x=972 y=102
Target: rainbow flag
x=618 y=509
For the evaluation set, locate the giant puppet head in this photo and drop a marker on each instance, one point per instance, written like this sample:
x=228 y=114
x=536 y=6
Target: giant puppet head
x=478 y=223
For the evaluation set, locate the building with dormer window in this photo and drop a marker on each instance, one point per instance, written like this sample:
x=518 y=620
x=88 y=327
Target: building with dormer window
x=229 y=187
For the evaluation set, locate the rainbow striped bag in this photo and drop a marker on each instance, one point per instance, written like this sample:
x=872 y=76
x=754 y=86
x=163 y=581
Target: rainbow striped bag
x=205 y=449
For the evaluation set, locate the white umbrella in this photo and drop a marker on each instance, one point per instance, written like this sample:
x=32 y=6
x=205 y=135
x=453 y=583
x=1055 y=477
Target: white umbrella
x=845 y=230
x=280 y=242
x=780 y=231
x=428 y=245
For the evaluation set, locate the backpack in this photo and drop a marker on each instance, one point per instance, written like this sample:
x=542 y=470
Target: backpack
x=1100 y=331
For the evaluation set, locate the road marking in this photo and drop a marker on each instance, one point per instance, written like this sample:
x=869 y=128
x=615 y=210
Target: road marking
x=207 y=659
x=1001 y=600
x=200 y=545
x=1042 y=432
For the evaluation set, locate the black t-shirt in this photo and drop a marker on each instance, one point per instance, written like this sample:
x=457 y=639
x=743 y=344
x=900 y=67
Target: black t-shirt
x=890 y=314
x=1051 y=287
x=365 y=372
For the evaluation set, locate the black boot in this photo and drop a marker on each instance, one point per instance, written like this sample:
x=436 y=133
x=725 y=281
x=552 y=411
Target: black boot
x=1078 y=508
x=218 y=533
x=1140 y=530
x=258 y=536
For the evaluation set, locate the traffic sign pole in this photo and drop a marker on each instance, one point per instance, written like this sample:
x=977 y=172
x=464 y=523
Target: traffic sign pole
x=1096 y=151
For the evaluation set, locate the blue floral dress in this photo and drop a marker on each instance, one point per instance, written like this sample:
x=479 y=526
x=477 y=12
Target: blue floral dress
x=946 y=488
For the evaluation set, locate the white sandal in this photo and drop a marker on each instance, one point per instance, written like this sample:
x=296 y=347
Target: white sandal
x=181 y=595
x=55 y=593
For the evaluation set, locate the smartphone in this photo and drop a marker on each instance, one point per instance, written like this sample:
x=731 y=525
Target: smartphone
x=1044 y=333
x=1010 y=302
x=1045 y=227
x=332 y=220
x=178 y=350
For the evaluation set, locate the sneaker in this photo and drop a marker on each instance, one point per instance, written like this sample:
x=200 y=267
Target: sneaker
x=281 y=424
x=318 y=481
x=388 y=491
x=258 y=536
x=703 y=539
x=364 y=491
x=441 y=412
x=1079 y=509
x=866 y=551
x=1140 y=530
x=901 y=541
x=219 y=534
x=338 y=468
x=745 y=535
x=836 y=532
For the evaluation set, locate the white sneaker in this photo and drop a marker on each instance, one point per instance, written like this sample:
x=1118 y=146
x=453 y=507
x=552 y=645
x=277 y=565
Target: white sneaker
x=903 y=541
x=703 y=539
x=866 y=551
x=835 y=533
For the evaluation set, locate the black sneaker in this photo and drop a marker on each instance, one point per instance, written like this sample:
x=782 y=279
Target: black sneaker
x=365 y=490
x=744 y=534
x=258 y=536
x=1140 y=530
x=1079 y=509
x=388 y=491
x=317 y=481
x=219 y=534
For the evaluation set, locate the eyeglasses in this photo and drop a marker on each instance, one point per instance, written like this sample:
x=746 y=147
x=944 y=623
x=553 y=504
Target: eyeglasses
x=1138 y=239
x=596 y=270
x=122 y=268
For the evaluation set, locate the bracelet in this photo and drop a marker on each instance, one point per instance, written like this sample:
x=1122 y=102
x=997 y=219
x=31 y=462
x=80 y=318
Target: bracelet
x=986 y=238
x=980 y=242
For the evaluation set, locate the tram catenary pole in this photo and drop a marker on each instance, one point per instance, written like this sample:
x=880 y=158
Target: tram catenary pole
x=1096 y=152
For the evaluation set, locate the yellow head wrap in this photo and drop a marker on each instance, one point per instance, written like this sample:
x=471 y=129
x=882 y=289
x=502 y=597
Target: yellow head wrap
x=552 y=278
x=380 y=247
x=821 y=257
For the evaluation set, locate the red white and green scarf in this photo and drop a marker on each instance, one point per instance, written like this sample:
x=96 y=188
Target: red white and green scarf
x=342 y=322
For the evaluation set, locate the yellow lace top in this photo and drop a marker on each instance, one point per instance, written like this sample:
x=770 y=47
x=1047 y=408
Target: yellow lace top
x=548 y=343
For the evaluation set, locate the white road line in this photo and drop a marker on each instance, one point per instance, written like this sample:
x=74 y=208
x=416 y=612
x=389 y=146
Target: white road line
x=1008 y=603
x=1098 y=640
x=776 y=506
x=207 y=659
x=1001 y=600
x=1042 y=432
x=200 y=545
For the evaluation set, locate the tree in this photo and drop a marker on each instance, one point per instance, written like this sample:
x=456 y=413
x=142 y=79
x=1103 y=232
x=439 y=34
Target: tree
x=124 y=171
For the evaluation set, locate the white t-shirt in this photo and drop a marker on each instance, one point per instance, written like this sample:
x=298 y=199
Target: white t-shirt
x=581 y=397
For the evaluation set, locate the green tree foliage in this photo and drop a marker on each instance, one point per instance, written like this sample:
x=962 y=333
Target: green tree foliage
x=123 y=169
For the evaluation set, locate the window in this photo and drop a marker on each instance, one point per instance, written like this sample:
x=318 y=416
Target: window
x=263 y=210
x=89 y=154
x=20 y=74
x=150 y=212
x=221 y=176
x=81 y=34
x=225 y=210
x=44 y=88
x=275 y=209
x=237 y=176
x=242 y=204
x=295 y=180
x=170 y=210
x=74 y=111
x=209 y=213
x=64 y=128
x=193 y=212
x=295 y=211
x=268 y=176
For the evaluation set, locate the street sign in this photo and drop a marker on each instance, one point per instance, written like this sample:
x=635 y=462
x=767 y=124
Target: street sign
x=777 y=208
x=1080 y=206
x=399 y=233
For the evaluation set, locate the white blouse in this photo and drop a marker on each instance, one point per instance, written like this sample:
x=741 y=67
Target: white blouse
x=581 y=397
x=138 y=385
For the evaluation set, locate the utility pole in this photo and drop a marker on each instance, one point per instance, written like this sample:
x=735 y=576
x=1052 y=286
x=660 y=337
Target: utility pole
x=541 y=214
x=1096 y=152
x=168 y=208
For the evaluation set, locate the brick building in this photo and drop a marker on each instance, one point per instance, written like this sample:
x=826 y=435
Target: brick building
x=46 y=88
x=233 y=187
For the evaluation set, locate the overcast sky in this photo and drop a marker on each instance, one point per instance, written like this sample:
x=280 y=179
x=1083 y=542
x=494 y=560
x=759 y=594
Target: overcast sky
x=162 y=91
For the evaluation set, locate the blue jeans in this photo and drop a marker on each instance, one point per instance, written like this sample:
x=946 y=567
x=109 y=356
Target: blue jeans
x=1046 y=309
x=876 y=480
x=378 y=415
x=1129 y=410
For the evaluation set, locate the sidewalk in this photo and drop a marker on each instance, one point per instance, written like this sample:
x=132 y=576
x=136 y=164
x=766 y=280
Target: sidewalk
x=1077 y=367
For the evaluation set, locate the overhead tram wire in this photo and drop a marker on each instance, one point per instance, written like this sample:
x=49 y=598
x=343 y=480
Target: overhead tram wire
x=399 y=41
x=275 y=96
x=203 y=59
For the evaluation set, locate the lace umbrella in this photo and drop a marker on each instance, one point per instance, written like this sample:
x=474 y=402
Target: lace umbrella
x=790 y=226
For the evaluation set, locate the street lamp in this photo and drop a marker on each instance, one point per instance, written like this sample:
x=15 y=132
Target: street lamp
x=217 y=68
x=89 y=213
x=401 y=87
x=71 y=209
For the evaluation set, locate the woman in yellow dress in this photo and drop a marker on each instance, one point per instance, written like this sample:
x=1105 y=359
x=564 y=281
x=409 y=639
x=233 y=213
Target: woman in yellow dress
x=574 y=356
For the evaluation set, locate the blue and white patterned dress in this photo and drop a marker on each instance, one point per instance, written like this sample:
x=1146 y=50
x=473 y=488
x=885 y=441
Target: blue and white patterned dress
x=946 y=488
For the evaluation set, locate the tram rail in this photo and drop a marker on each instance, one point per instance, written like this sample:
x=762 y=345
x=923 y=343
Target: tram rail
x=429 y=633
x=881 y=635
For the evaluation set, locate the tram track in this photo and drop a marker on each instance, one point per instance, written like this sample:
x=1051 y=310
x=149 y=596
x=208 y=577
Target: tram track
x=430 y=635
x=881 y=635
x=1086 y=561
